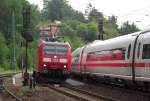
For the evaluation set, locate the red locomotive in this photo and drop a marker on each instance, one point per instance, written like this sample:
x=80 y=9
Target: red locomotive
x=54 y=61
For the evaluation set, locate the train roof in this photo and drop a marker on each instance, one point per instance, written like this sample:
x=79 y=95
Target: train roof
x=56 y=43
x=120 y=41
x=117 y=42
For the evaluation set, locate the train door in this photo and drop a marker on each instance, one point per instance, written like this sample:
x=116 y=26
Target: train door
x=81 y=61
x=74 y=61
x=142 y=60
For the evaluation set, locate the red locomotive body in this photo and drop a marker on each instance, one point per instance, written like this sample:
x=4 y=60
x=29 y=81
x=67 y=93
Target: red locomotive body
x=54 y=61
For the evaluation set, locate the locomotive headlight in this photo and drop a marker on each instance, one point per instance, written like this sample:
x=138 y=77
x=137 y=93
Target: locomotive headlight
x=55 y=56
x=46 y=59
x=63 y=60
x=44 y=65
x=65 y=66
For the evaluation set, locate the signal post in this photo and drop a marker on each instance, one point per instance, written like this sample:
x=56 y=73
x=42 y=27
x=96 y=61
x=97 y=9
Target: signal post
x=27 y=38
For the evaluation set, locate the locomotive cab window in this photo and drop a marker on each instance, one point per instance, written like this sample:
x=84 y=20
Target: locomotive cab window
x=61 y=50
x=146 y=51
x=49 y=49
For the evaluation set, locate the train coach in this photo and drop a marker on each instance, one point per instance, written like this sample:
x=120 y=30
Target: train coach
x=54 y=61
x=124 y=59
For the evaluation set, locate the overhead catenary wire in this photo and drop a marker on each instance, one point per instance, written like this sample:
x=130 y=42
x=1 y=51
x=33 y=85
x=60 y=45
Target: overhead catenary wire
x=134 y=11
x=130 y=13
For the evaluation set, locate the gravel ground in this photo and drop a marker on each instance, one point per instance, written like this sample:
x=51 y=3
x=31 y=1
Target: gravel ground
x=37 y=94
x=115 y=92
x=5 y=97
x=43 y=94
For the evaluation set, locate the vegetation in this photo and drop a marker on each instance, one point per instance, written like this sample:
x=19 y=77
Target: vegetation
x=7 y=7
x=77 y=30
x=126 y=28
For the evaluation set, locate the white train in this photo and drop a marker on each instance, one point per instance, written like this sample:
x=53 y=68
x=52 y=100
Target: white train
x=121 y=59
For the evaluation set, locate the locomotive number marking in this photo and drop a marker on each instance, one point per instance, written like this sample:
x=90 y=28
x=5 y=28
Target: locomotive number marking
x=55 y=60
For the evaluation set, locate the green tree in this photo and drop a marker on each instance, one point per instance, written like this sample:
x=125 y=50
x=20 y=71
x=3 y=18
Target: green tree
x=113 y=20
x=127 y=28
x=60 y=10
x=110 y=30
x=88 y=31
x=4 y=53
x=75 y=41
x=6 y=50
x=95 y=15
x=6 y=9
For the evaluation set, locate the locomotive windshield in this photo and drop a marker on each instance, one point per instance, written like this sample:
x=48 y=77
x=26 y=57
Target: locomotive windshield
x=53 y=49
x=61 y=50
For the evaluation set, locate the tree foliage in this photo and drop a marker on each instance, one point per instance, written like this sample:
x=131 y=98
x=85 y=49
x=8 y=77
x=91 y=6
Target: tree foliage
x=6 y=35
x=4 y=52
x=127 y=28
x=60 y=10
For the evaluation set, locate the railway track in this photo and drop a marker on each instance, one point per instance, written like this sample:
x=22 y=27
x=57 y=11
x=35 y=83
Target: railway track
x=8 y=74
x=79 y=94
x=12 y=94
x=3 y=87
x=118 y=92
x=2 y=76
x=5 y=75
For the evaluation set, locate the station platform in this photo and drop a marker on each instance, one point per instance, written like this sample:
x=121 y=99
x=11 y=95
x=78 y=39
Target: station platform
x=17 y=79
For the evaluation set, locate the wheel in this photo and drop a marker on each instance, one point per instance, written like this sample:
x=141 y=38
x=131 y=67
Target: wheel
x=146 y=86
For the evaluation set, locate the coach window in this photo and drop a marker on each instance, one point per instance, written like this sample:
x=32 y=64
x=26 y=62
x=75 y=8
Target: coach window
x=76 y=57
x=138 y=52
x=119 y=54
x=129 y=49
x=123 y=53
x=146 y=51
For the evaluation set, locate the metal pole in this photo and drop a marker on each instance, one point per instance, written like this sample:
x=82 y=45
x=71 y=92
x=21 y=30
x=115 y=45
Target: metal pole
x=26 y=57
x=100 y=28
x=14 y=44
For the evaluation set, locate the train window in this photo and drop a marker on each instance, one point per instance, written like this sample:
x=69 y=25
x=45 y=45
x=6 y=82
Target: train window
x=138 y=52
x=76 y=53
x=107 y=55
x=61 y=50
x=49 y=49
x=119 y=54
x=52 y=49
x=129 y=49
x=146 y=51
x=123 y=53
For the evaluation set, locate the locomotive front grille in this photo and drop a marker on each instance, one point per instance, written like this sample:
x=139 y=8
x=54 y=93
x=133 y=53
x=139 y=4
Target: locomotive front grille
x=54 y=73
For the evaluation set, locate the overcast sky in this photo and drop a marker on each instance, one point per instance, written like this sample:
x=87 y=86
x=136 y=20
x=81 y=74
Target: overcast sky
x=137 y=11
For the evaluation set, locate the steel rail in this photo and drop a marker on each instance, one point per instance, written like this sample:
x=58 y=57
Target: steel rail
x=13 y=95
x=91 y=94
x=5 y=88
x=79 y=94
